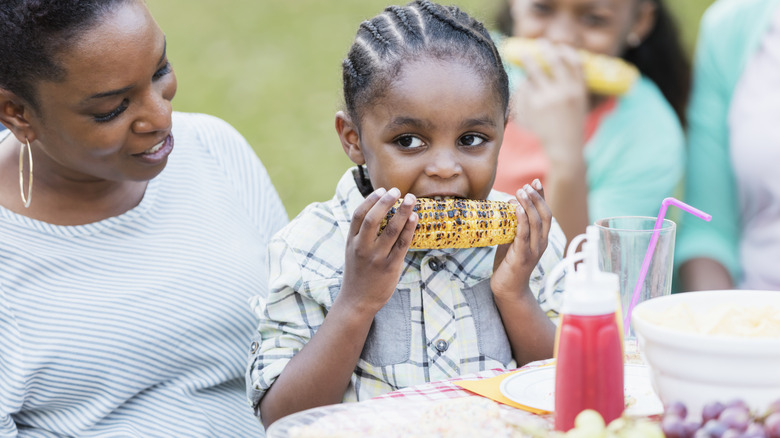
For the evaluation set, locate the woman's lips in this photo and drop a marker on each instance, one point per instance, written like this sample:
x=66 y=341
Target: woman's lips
x=158 y=152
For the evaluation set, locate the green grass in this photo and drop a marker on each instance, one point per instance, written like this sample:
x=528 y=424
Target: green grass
x=272 y=69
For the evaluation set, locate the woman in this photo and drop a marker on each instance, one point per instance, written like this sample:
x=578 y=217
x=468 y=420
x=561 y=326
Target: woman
x=132 y=236
x=733 y=150
x=598 y=156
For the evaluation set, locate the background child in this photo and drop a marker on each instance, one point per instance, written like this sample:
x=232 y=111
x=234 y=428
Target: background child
x=352 y=314
x=597 y=156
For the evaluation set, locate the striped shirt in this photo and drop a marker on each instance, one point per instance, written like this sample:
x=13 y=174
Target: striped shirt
x=139 y=325
x=440 y=322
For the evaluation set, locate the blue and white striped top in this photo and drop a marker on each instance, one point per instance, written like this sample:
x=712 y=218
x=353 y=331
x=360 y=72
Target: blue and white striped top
x=139 y=325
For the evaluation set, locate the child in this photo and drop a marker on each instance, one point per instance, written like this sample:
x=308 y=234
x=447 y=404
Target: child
x=352 y=314
x=598 y=156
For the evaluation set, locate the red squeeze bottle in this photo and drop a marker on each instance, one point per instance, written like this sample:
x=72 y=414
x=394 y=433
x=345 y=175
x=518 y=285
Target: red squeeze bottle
x=589 y=350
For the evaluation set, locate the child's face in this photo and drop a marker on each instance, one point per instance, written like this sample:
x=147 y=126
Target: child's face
x=436 y=131
x=600 y=26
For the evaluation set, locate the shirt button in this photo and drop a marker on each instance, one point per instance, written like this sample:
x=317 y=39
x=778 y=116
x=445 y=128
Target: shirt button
x=442 y=345
x=253 y=347
x=435 y=265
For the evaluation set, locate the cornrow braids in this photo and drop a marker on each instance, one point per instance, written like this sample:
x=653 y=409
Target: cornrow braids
x=34 y=32
x=400 y=34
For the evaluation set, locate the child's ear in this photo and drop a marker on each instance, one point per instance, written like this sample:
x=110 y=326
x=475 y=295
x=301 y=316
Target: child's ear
x=14 y=116
x=645 y=20
x=350 y=138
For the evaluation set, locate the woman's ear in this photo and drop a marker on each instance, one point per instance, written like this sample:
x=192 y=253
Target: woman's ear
x=14 y=114
x=350 y=138
x=644 y=23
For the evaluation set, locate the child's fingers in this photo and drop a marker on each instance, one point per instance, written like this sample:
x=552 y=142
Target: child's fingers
x=405 y=237
x=372 y=220
x=360 y=213
x=536 y=184
x=539 y=218
x=393 y=232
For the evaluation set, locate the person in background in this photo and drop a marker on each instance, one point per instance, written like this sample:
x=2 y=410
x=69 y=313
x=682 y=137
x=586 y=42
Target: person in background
x=598 y=156
x=131 y=246
x=734 y=148
x=352 y=314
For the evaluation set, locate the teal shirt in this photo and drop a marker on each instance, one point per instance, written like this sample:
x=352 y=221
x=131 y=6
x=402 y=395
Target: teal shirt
x=730 y=33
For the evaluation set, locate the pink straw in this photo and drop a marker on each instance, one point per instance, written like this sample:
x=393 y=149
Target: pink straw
x=651 y=248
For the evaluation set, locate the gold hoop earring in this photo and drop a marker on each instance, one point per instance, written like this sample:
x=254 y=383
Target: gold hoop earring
x=25 y=200
x=633 y=40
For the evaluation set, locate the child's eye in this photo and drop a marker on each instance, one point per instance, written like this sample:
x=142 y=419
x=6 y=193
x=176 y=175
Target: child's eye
x=164 y=70
x=541 y=8
x=409 y=142
x=113 y=113
x=595 y=20
x=471 y=140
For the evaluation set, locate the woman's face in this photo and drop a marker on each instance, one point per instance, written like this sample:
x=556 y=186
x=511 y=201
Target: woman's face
x=110 y=118
x=435 y=131
x=599 y=26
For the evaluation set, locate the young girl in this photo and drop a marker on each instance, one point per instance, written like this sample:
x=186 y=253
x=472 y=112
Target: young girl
x=352 y=314
x=597 y=156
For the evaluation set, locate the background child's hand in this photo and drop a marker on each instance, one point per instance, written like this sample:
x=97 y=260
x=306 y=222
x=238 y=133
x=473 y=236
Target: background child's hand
x=515 y=261
x=374 y=261
x=553 y=102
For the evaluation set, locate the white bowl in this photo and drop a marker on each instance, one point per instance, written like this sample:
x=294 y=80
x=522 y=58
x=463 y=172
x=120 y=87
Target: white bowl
x=695 y=368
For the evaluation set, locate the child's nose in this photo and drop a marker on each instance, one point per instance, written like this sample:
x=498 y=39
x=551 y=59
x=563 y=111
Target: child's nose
x=562 y=30
x=444 y=164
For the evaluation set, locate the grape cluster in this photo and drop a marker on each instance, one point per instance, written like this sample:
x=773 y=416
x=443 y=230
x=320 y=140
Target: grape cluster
x=718 y=420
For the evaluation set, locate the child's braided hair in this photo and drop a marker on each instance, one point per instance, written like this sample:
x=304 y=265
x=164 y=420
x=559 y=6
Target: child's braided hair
x=404 y=33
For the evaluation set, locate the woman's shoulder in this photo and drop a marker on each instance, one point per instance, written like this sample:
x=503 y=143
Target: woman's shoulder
x=644 y=108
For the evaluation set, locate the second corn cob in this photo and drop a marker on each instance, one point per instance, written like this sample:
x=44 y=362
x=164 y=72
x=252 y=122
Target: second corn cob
x=605 y=75
x=461 y=223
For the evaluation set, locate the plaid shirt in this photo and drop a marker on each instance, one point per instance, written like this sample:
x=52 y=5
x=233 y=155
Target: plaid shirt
x=440 y=322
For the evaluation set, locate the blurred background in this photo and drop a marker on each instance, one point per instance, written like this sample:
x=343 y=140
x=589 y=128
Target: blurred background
x=272 y=68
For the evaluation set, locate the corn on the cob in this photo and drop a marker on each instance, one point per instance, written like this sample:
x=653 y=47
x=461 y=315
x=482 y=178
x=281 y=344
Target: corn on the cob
x=460 y=223
x=604 y=74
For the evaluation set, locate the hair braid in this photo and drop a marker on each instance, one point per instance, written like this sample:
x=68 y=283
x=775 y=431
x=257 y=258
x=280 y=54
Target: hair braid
x=403 y=34
x=470 y=32
x=369 y=26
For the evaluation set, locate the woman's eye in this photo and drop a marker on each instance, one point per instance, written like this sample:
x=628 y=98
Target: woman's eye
x=409 y=142
x=164 y=70
x=541 y=7
x=471 y=140
x=113 y=113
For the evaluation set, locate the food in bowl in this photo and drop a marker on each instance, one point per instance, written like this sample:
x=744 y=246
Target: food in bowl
x=702 y=365
x=729 y=319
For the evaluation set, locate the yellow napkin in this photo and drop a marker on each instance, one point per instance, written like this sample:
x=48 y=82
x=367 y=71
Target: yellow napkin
x=491 y=388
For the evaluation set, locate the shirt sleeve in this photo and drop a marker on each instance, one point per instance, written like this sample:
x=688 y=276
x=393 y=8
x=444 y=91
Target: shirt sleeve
x=244 y=169
x=12 y=378
x=710 y=182
x=556 y=247
x=636 y=158
x=290 y=316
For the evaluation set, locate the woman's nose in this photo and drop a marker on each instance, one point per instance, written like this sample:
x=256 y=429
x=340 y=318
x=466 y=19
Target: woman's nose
x=156 y=111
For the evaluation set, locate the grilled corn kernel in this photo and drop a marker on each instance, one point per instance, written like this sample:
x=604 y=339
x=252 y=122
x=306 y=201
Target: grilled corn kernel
x=460 y=223
x=604 y=74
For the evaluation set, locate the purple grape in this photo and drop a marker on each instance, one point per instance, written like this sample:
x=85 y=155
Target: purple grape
x=701 y=433
x=714 y=428
x=691 y=427
x=773 y=407
x=711 y=411
x=737 y=403
x=674 y=427
x=676 y=409
x=772 y=425
x=735 y=417
x=754 y=430
x=731 y=433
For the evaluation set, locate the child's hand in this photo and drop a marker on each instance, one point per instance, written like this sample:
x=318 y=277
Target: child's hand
x=374 y=261
x=515 y=261
x=553 y=102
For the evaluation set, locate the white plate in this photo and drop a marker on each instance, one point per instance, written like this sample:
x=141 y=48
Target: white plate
x=536 y=388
